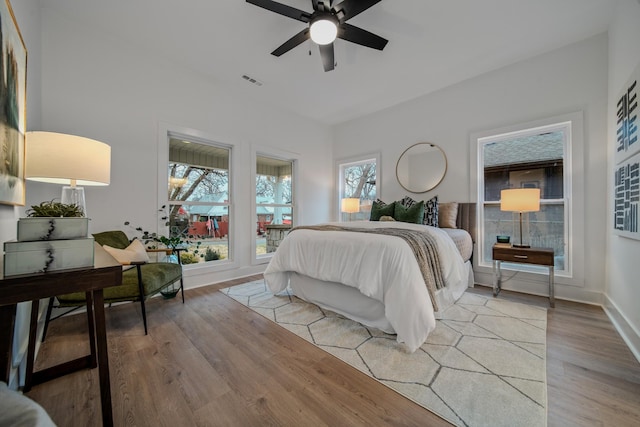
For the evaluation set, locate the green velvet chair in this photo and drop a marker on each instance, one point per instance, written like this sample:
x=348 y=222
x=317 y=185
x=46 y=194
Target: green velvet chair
x=138 y=284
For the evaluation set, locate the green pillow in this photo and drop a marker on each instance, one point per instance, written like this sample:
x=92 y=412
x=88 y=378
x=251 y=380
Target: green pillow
x=379 y=209
x=413 y=214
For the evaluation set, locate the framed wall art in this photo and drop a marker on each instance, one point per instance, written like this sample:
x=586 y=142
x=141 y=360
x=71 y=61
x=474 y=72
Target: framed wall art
x=627 y=197
x=13 y=99
x=627 y=142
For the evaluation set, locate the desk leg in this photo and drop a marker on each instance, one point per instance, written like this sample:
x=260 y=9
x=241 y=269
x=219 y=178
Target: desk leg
x=497 y=278
x=8 y=320
x=31 y=347
x=93 y=361
x=103 y=358
x=552 y=300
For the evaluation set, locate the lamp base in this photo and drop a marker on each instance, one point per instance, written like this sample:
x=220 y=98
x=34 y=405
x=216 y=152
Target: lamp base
x=521 y=246
x=74 y=196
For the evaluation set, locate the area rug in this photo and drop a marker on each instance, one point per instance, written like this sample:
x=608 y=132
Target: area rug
x=483 y=365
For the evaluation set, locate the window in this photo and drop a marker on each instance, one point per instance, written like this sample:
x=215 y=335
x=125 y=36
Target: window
x=357 y=187
x=530 y=158
x=198 y=199
x=274 y=202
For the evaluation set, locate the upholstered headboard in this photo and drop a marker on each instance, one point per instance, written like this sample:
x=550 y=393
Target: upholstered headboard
x=466 y=219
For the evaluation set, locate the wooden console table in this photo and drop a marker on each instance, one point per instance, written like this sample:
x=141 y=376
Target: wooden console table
x=33 y=287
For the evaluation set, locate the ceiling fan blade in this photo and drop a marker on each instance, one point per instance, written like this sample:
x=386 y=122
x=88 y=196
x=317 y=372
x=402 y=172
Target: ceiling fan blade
x=350 y=8
x=326 y=53
x=292 y=42
x=362 y=37
x=282 y=9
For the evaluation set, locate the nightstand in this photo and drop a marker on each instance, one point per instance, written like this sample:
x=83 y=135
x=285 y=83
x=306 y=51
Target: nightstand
x=507 y=253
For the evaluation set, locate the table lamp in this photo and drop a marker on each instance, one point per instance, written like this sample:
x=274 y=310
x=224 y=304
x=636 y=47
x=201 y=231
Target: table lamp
x=520 y=200
x=350 y=205
x=69 y=160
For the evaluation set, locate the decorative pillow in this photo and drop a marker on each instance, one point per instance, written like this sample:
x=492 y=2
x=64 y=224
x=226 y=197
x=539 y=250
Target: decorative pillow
x=407 y=202
x=431 y=212
x=447 y=214
x=413 y=214
x=135 y=252
x=430 y=209
x=379 y=209
x=386 y=218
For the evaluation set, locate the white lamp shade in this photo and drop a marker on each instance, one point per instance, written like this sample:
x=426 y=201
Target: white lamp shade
x=520 y=200
x=323 y=31
x=67 y=159
x=350 y=205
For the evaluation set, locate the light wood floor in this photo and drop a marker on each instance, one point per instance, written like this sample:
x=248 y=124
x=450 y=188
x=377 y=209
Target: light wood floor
x=213 y=362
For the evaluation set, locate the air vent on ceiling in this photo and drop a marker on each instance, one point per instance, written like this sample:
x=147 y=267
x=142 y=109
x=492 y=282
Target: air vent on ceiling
x=252 y=80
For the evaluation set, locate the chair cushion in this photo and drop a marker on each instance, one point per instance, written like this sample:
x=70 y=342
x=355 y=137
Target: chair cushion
x=155 y=276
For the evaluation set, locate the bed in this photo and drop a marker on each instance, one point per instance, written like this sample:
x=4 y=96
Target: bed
x=375 y=279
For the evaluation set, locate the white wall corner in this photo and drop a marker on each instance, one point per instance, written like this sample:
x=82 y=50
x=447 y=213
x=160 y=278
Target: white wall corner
x=629 y=334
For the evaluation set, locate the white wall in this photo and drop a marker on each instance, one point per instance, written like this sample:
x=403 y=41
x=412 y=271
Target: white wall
x=567 y=80
x=101 y=87
x=623 y=268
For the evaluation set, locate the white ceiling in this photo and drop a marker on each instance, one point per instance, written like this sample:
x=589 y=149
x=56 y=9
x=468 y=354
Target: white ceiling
x=432 y=44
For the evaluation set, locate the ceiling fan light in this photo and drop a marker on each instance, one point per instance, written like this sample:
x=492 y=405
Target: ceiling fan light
x=323 y=31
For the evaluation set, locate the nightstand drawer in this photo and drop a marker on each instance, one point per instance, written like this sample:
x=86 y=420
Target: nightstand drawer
x=539 y=256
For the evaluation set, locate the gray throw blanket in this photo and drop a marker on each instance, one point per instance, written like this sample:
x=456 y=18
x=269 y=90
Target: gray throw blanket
x=423 y=246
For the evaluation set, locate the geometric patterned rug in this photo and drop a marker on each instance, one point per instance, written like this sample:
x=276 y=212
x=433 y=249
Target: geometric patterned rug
x=483 y=365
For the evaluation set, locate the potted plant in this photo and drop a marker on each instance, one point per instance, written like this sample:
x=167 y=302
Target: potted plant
x=52 y=220
x=185 y=248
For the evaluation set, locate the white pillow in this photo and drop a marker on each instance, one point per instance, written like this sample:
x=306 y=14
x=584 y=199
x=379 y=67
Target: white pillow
x=17 y=409
x=135 y=252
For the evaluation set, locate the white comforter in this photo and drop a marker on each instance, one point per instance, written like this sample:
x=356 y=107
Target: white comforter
x=381 y=267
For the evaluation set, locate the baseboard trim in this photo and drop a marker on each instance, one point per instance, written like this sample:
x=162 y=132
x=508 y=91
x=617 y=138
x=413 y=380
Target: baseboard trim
x=526 y=285
x=197 y=281
x=626 y=330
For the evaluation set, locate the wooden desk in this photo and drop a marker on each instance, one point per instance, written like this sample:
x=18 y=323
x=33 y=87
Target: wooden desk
x=537 y=256
x=106 y=272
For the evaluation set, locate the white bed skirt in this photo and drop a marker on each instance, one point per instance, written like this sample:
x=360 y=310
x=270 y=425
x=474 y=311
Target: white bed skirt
x=349 y=302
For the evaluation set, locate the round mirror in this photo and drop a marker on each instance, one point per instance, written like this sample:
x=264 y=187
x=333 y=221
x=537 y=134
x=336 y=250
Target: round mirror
x=421 y=167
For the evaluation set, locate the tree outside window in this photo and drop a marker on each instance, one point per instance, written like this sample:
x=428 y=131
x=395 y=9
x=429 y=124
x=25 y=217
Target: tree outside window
x=358 y=180
x=198 y=195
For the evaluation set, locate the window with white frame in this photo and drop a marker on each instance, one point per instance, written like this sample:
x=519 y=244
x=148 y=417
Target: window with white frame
x=527 y=158
x=199 y=198
x=274 y=202
x=358 y=187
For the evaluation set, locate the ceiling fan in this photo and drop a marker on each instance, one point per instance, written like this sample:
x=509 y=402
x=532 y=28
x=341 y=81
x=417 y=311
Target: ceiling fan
x=326 y=22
